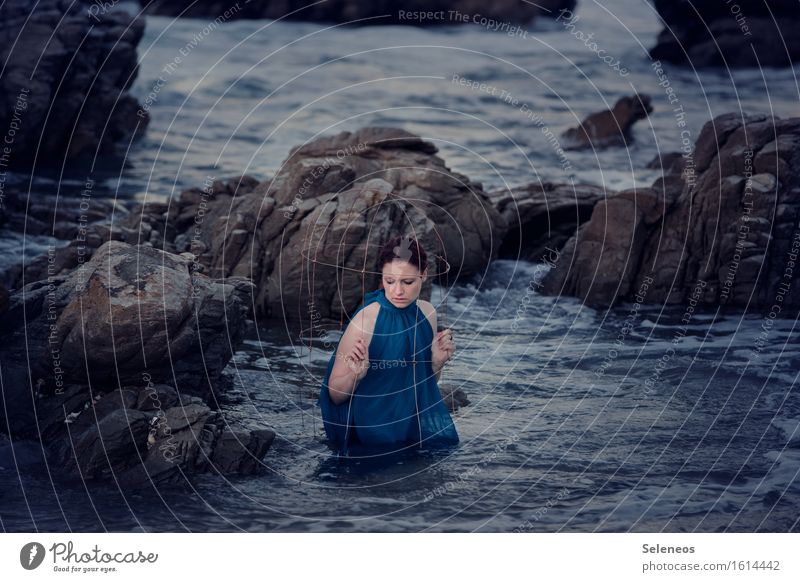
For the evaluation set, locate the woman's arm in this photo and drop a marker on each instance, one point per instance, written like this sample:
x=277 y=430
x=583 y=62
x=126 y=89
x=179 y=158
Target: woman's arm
x=442 y=347
x=352 y=357
x=437 y=368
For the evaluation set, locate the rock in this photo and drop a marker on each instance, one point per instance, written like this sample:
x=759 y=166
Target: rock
x=130 y=315
x=112 y=435
x=609 y=127
x=606 y=250
x=542 y=217
x=745 y=33
x=670 y=163
x=139 y=319
x=552 y=8
x=111 y=444
x=66 y=75
x=240 y=451
x=350 y=10
x=334 y=202
x=453 y=397
x=728 y=237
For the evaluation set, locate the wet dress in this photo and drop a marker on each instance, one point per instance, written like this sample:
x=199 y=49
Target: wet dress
x=397 y=404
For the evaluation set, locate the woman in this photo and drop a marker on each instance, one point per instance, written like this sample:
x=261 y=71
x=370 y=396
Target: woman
x=380 y=391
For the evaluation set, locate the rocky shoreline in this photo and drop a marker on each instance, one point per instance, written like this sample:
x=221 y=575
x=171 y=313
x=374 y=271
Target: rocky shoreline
x=119 y=341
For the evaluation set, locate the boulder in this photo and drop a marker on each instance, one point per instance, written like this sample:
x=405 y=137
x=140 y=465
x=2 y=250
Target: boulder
x=66 y=74
x=541 y=217
x=454 y=397
x=114 y=367
x=127 y=316
x=323 y=218
x=745 y=33
x=610 y=127
x=728 y=236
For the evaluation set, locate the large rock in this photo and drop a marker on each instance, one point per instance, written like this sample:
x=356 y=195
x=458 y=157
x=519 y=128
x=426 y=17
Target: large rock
x=744 y=33
x=143 y=435
x=331 y=206
x=541 y=217
x=611 y=127
x=140 y=320
x=728 y=236
x=127 y=312
x=351 y=11
x=67 y=69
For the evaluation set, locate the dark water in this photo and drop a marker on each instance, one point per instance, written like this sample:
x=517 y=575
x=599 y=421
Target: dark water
x=574 y=425
x=549 y=442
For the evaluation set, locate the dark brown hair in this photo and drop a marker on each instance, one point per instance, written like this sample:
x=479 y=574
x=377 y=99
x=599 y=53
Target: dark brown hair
x=404 y=248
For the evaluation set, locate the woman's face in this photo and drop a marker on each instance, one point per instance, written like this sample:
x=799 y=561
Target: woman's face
x=402 y=282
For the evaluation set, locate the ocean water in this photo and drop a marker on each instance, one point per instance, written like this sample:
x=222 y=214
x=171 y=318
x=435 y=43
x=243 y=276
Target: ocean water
x=580 y=420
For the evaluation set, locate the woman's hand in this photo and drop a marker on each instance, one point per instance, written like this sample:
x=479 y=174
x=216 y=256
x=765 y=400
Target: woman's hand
x=442 y=349
x=358 y=359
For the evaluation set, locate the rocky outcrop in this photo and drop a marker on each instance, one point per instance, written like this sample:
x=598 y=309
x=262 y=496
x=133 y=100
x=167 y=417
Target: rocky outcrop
x=323 y=219
x=745 y=33
x=131 y=310
x=354 y=12
x=66 y=74
x=116 y=368
x=727 y=236
x=541 y=217
x=333 y=202
x=610 y=127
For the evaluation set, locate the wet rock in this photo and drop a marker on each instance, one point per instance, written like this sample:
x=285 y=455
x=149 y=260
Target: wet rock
x=240 y=451
x=334 y=202
x=610 y=127
x=745 y=33
x=728 y=237
x=110 y=434
x=129 y=316
x=541 y=217
x=453 y=397
x=57 y=84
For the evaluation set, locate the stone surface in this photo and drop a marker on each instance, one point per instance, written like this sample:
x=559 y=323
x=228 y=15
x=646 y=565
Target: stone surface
x=66 y=75
x=453 y=397
x=745 y=33
x=333 y=202
x=541 y=217
x=611 y=127
x=727 y=236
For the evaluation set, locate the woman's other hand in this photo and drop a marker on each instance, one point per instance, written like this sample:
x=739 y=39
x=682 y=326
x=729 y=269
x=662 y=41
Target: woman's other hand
x=442 y=349
x=358 y=359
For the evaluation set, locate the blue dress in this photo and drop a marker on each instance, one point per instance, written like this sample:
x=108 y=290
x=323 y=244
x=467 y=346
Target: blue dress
x=396 y=405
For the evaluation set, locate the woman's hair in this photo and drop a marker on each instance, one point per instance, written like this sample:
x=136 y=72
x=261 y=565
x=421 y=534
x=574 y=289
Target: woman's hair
x=404 y=248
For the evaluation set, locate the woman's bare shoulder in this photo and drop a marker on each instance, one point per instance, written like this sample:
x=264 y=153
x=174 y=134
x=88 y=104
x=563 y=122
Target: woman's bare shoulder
x=427 y=307
x=365 y=321
x=429 y=311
